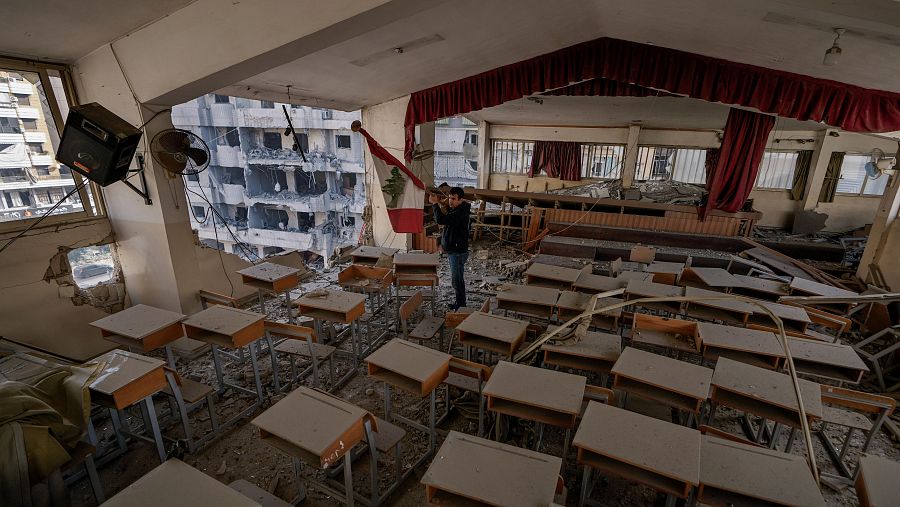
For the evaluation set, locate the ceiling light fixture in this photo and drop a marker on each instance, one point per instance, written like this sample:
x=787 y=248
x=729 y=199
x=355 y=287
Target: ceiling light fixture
x=834 y=52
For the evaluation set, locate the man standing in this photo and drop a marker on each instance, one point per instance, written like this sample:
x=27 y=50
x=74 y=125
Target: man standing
x=455 y=238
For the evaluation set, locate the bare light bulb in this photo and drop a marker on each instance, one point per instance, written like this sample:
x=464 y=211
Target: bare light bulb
x=834 y=52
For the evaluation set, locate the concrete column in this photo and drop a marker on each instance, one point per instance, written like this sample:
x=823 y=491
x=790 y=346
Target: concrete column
x=631 y=150
x=818 y=167
x=385 y=123
x=155 y=243
x=484 y=154
x=424 y=168
x=885 y=231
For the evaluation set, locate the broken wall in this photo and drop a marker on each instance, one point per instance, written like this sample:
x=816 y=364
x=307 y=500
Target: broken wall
x=31 y=307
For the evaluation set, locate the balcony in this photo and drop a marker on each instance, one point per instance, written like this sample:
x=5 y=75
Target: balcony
x=10 y=137
x=29 y=113
x=286 y=239
x=228 y=156
x=232 y=194
x=35 y=137
x=41 y=159
x=21 y=87
x=304 y=118
x=268 y=156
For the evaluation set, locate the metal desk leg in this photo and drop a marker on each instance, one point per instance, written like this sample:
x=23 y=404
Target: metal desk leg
x=218 y=367
x=585 y=485
x=315 y=361
x=154 y=428
x=348 y=479
x=256 y=379
x=276 y=383
x=287 y=304
x=170 y=357
x=262 y=303
x=431 y=425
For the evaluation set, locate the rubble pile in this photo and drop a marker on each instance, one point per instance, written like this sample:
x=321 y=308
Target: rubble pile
x=668 y=192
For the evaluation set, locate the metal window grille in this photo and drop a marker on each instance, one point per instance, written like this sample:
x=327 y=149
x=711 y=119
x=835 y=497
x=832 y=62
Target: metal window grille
x=604 y=161
x=776 y=170
x=669 y=163
x=854 y=179
x=511 y=156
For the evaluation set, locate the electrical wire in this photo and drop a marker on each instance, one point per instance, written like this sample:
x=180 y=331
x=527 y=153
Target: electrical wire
x=78 y=186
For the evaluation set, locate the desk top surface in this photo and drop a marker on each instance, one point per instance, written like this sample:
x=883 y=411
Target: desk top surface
x=138 y=321
x=649 y=443
x=21 y=366
x=664 y=372
x=409 y=359
x=715 y=277
x=311 y=420
x=373 y=252
x=550 y=272
x=268 y=271
x=786 y=312
x=531 y=294
x=223 y=319
x=596 y=282
x=416 y=259
x=761 y=284
x=175 y=483
x=759 y=473
x=495 y=327
x=879 y=475
x=833 y=354
x=739 y=338
x=594 y=345
x=550 y=389
x=122 y=368
x=333 y=300
x=768 y=386
x=645 y=288
x=492 y=472
x=819 y=289
x=665 y=267
x=725 y=303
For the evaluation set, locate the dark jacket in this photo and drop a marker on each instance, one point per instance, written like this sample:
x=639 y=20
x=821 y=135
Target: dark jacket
x=455 y=238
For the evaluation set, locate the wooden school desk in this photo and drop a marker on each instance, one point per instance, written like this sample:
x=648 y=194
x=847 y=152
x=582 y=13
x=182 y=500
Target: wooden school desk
x=271 y=277
x=493 y=333
x=143 y=328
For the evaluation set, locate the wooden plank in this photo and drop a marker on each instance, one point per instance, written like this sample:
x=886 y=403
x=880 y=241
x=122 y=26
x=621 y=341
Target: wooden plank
x=468 y=469
x=175 y=483
x=656 y=453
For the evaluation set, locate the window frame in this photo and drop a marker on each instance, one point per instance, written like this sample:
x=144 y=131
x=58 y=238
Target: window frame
x=337 y=142
x=865 y=181
x=522 y=157
x=792 y=175
x=43 y=69
x=672 y=151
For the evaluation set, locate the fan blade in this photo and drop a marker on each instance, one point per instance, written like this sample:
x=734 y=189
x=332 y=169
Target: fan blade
x=872 y=170
x=174 y=141
x=198 y=155
x=171 y=161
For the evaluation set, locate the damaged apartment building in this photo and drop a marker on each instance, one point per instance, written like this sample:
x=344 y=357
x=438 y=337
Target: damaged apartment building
x=271 y=199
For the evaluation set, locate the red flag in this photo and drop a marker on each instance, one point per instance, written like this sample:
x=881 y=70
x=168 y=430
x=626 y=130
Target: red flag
x=404 y=193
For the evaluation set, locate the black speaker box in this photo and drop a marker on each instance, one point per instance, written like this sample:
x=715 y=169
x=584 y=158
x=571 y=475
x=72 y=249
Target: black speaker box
x=98 y=144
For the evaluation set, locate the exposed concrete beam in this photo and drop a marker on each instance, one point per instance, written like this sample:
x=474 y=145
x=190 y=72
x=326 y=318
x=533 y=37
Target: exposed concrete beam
x=485 y=152
x=631 y=149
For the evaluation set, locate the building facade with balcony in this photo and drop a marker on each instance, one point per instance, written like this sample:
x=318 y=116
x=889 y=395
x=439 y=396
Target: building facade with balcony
x=31 y=180
x=270 y=198
x=456 y=152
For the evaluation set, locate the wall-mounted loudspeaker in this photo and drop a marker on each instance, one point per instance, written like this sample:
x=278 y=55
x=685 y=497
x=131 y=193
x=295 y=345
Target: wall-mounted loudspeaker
x=98 y=144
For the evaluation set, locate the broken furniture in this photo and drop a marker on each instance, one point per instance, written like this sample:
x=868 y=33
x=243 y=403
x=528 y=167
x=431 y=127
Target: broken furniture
x=471 y=470
x=415 y=369
x=762 y=288
x=666 y=272
x=733 y=473
x=189 y=395
x=708 y=278
x=876 y=484
x=794 y=318
x=491 y=333
x=271 y=277
x=528 y=299
x=676 y=384
x=78 y=350
x=318 y=429
x=208 y=297
x=642 y=254
x=470 y=377
x=626 y=276
x=595 y=353
x=175 y=483
x=880 y=350
x=571 y=304
x=337 y=307
x=764 y=393
x=376 y=284
x=301 y=342
x=635 y=447
x=417 y=270
x=717 y=307
x=231 y=328
x=535 y=394
x=831 y=361
x=849 y=409
x=636 y=289
x=592 y=284
x=426 y=329
x=369 y=255
x=554 y=277
x=124 y=380
x=671 y=334
x=757 y=348
x=143 y=328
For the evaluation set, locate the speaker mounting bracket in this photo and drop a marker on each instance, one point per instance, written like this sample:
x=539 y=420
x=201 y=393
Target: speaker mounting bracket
x=143 y=190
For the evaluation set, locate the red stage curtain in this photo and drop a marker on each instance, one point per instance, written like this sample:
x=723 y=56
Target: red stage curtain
x=849 y=107
x=743 y=143
x=558 y=159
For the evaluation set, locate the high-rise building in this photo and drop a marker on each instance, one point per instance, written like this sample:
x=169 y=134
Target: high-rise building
x=456 y=152
x=31 y=180
x=269 y=197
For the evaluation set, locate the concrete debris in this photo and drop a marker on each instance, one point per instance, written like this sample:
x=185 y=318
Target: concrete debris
x=809 y=222
x=669 y=192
